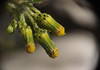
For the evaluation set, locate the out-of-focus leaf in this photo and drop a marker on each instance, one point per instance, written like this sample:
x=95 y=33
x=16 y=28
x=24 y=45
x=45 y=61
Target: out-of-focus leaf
x=36 y=1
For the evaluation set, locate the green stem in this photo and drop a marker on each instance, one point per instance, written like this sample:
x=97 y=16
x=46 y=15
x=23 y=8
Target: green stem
x=33 y=23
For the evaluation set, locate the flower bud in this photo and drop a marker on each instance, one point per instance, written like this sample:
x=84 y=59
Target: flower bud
x=30 y=42
x=45 y=41
x=12 y=27
x=47 y=22
x=28 y=35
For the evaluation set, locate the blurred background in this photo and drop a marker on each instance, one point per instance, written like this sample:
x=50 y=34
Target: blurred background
x=79 y=48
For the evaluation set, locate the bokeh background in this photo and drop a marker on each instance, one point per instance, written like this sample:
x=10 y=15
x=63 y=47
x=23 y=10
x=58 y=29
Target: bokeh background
x=79 y=48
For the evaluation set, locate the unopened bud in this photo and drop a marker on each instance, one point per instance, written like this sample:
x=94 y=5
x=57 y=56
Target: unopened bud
x=47 y=22
x=10 y=29
x=45 y=41
x=28 y=36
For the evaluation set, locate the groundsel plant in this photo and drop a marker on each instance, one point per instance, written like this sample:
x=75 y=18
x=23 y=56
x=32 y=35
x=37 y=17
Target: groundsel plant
x=34 y=25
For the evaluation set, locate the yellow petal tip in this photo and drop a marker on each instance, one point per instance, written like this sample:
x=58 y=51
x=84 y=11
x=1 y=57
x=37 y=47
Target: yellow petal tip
x=60 y=32
x=30 y=48
x=55 y=53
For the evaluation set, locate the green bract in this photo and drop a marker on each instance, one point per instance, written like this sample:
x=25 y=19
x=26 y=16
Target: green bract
x=34 y=25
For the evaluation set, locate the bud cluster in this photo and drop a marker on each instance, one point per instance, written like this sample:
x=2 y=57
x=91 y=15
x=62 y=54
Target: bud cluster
x=34 y=25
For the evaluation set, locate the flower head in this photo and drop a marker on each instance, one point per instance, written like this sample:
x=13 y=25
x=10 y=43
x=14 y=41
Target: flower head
x=47 y=22
x=45 y=41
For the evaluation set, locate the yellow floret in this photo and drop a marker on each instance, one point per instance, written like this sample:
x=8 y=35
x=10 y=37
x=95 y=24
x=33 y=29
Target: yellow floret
x=30 y=48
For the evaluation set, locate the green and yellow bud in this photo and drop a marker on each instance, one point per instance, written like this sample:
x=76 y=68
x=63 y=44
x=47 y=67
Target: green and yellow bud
x=12 y=27
x=47 y=22
x=26 y=31
x=28 y=35
x=43 y=38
